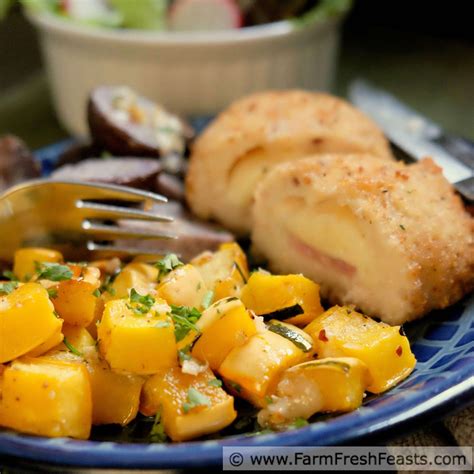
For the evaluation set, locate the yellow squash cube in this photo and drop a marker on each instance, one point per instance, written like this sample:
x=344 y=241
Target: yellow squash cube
x=137 y=343
x=138 y=275
x=191 y=405
x=252 y=370
x=78 y=337
x=292 y=298
x=183 y=286
x=55 y=339
x=324 y=385
x=224 y=325
x=27 y=320
x=78 y=302
x=115 y=397
x=46 y=397
x=26 y=259
x=224 y=271
x=343 y=332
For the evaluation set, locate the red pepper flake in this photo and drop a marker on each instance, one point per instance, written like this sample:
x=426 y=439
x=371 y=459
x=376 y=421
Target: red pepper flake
x=399 y=351
x=322 y=336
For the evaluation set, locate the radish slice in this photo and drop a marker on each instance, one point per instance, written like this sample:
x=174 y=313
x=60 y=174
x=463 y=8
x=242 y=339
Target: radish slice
x=204 y=15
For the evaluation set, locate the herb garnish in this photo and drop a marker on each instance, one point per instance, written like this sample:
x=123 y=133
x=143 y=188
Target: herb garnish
x=9 y=275
x=402 y=227
x=53 y=293
x=107 y=285
x=71 y=347
x=53 y=271
x=299 y=423
x=167 y=264
x=143 y=303
x=184 y=319
x=162 y=324
x=7 y=288
x=184 y=354
x=235 y=386
x=215 y=383
x=207 y=300
x=157 y=432
x=195 y=399
x=96 y=293
x=242 y=274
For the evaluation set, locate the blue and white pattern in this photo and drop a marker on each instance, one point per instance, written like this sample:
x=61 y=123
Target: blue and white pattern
x=443 y=380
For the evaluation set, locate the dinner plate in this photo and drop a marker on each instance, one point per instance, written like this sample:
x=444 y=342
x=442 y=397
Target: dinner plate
x=442 y=382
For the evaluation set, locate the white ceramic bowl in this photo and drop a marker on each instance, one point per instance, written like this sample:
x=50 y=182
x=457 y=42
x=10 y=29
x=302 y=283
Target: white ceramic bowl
x=195 y=73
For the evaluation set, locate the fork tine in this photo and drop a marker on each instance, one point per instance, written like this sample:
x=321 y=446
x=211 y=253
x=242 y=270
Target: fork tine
x=106 y=211
x=115 y=249
x=98 y=191
x=115 y=232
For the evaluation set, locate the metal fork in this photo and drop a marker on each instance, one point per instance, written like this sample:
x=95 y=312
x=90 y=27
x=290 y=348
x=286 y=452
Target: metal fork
x=74 y=217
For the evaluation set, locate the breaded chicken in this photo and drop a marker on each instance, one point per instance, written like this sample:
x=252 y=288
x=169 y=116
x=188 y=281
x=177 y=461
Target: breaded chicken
x=392 y=239
x=264 y=129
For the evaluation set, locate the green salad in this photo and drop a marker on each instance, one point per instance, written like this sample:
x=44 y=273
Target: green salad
x=182 y=15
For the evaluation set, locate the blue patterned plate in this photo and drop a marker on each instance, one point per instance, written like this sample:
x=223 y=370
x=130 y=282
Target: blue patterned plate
x=443 y=381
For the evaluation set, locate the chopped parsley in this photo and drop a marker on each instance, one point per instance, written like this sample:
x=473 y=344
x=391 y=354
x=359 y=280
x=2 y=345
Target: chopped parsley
x=402 y=227
x=268 y=400
x=107 y=285
x=96 y=293
x=71 y=347
x=53 y=271
x=185 y=319
x=184 y=354
x=236 y=386
x=215 y=383
x=195 y=399
x=242 y=274
x=207 y=300
x=142 y=303
x=167 y=264
x=157 y=432
x=299 y=423
x=162 y=324
x=53 y=292
x=7 y=288
x=9 y=275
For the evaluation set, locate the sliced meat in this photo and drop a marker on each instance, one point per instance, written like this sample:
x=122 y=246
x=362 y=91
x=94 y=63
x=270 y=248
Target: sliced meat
x=17 y=164
x=193 y=236
x=77 y=152
x=125 y=123
x=170 y=186
x=135 y=172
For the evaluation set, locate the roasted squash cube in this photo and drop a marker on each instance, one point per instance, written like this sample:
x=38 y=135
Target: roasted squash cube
x=138 y=275
x=224 y=271
x=292 y=298
x=324 y=385
x=343 y=332
x=183 y=286
x=77 y=337
x=46 y=397
x=137 y=343
x=191 y=405
x=26 y=259
x=224 y=325
x=252 y=370
x=115 y=397
x=55 y=339
x=27 y=320
x=78 y=302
